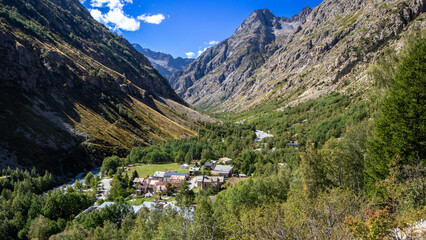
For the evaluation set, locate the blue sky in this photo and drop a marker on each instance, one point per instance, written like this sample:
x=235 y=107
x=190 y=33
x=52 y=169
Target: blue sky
x=182 y=27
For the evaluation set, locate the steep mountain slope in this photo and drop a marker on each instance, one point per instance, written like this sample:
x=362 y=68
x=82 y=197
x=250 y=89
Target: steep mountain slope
x=166 y=64
x=219 y=72
x=330 y=52
x=72 y=92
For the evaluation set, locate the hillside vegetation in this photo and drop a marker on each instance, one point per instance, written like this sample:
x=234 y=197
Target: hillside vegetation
x=361 y=181
x=72 y=92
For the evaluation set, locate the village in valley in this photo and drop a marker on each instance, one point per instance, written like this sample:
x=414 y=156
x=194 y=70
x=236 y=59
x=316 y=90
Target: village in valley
x=158 y=185
x=159 y=189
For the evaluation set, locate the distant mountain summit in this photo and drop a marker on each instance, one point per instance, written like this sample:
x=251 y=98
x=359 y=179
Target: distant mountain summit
x=221 y=69
x=164 y=63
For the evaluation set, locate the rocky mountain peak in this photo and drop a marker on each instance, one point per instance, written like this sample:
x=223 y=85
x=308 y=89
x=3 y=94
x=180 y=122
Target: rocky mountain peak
x=220 y=70
x=265 y=16
x=301 y=16
x=166 y=64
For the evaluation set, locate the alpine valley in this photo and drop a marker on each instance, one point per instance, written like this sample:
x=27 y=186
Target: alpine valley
x=310 y=126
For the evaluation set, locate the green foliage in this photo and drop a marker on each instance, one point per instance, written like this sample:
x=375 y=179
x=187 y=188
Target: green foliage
x=213 y=141
x=21 y=204
x=375 y=224
x=115 y=213
x=119 y=187
x=65 y=205
x=77 y=232
x=185 y=196
x=39 y=229
x=400 y=129
x=88 y=178
x=110 y=164
x=43 y=228
x=254 y=192
x=134 y=175
x=170 y=189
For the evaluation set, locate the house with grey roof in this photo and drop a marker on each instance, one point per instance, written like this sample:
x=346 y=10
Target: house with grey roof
x=158 y=174
x=169 y=174
x=223 y=170
x=210 y=164
x=193 y=170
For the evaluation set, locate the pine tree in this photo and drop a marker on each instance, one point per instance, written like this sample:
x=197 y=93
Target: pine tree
x=401 y=128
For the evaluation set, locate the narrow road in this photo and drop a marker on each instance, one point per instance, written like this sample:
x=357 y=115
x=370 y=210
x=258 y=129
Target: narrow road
x=193 y=183
x=106 y=183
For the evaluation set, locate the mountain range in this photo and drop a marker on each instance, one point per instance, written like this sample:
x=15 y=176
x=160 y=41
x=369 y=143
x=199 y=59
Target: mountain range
x=72 y=92
x=291 y=60
x=166 y=64
x=222 y=69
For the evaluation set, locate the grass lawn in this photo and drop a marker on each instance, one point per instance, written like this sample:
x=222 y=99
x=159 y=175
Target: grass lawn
x=149 y=169
x=171 y=199
x=235 y=180
x=139 y=200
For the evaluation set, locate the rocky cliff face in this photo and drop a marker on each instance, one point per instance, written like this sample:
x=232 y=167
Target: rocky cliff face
x=222 y=69
x=331 y=51
x=72 y=92
x=166 y=64
x=328 y=50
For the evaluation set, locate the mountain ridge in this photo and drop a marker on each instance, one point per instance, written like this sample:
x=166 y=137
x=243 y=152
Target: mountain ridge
x=223 y=67
x=72 y=92
x=165 y=63
x=329 y=52
x=317 y=57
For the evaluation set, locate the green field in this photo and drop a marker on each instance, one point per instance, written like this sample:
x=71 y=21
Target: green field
x=149 y=169
x=139 y=200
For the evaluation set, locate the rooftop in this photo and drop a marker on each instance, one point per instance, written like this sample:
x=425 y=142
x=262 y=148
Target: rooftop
x=223 y=168
x=106 y=204
x=210 y=179
x=169 y=174
x=159 y=174
x=225 y=159
x=209 y=163
x=139 y=180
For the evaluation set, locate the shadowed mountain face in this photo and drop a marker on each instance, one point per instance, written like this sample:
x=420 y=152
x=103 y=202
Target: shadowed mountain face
x=221 y=69
x=164 y=63
x=72 y=92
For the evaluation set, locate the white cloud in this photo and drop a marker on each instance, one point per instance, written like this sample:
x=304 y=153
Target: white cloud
x=111 y=4
x=116 y=19
x=97 y=15
x=213 y=42
x=190 y=54
x=154 y=19
x=201 y=51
